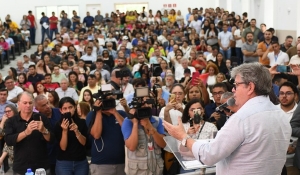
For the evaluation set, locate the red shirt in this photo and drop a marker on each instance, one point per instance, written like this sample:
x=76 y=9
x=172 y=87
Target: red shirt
x=31 y=19
x=53 y=25
x=51 y=86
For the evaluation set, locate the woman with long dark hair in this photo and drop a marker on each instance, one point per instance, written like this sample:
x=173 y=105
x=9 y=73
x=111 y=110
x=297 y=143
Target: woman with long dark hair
x=211 y=35
x=74 y=83
x=53 y=99
x=71 y=134
x=196 y=128
x=24 y=83
x=42 y=68
x=12 y=72
x=88 y=97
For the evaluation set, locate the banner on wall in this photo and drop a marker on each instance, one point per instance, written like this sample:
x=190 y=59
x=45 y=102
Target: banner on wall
x=168 y=7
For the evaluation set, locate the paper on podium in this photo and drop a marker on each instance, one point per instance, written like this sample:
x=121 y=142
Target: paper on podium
x=185 y=164
x=190 y=164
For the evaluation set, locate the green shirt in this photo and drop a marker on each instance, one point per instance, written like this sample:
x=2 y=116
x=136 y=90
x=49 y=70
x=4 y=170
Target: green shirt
x=256 y=32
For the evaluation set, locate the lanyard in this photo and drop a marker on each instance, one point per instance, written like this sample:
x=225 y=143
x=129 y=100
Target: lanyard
x=200 y=130
x=276 y=56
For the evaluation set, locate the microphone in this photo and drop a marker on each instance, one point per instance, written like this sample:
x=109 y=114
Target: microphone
x=229 y=102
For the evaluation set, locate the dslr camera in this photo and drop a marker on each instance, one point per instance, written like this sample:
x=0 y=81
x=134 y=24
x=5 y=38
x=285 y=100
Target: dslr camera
x=138 y=101
x=103 y=93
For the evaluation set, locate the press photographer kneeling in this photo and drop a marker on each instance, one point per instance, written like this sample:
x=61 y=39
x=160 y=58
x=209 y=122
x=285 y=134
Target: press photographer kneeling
x=143 y=135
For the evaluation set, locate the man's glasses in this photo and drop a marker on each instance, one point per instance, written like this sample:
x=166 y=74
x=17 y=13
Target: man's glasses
x=235 y=84
x=286 y=94
x=218 y=93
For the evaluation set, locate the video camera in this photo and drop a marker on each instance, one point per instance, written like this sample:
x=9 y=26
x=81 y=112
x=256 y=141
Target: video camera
x=122 y=73
x=138 y=102
x=156 y=70
x=102 y=95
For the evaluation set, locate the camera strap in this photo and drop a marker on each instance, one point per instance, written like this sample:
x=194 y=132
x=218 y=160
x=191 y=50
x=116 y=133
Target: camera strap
x=200 y=130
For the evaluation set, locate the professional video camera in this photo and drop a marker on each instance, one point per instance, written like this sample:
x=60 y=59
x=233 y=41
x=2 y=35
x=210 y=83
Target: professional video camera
x=156 y=70
x=138 y=101
x=102 y=95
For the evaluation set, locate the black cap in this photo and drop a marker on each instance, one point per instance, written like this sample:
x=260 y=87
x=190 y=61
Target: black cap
x=187 y=71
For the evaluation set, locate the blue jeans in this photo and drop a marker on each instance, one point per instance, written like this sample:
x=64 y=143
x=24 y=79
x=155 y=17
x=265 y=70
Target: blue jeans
x=32 y=35
x=226 y=53
x=72 y=167
x=44 y=31
x=51 y=33
x=239 y=55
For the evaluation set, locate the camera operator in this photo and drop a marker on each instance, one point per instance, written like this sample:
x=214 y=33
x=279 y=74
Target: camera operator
x=144 y=140
x=107 y=150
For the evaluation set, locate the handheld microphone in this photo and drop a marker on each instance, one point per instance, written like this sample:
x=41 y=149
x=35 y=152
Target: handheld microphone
x=229 y=102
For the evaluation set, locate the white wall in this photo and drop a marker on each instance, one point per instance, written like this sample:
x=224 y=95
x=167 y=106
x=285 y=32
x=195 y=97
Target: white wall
x=282 y=15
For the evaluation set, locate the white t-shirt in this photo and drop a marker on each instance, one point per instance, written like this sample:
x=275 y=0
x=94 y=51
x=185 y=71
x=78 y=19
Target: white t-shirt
x=196 y=25
x=179 y=72
x=295 y=60
x=225 y=38
x=14 y=92
x=279 y=59
x=128 y=89
x=210 y=57
x=238 y=43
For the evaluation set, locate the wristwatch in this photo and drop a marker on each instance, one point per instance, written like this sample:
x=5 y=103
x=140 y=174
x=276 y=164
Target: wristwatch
x=46 y=132
x=183 y=142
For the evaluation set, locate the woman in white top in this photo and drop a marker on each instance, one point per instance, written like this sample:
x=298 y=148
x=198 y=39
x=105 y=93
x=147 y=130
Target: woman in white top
x=212 y=71
x=40 y=90
x=158 y=16
x=151 y=19
x=195 y=127
x=179 y=17
x=176 y=60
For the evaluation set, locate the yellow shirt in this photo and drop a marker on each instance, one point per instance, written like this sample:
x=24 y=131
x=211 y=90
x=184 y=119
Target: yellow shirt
x=13 y=26
x=130 y=18
x=172 y=18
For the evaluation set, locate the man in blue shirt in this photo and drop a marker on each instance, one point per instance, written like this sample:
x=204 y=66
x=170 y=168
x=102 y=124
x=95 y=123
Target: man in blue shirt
x=75 y=20
x=88 y=20
x=33 y=76
x=107 y=152
x=3 y=101
x=53 y=114
x=44 y=21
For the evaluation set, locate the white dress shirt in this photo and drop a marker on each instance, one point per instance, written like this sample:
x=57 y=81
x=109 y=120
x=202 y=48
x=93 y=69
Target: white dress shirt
x=253 y=141
x=179 y=72
x=279 y=59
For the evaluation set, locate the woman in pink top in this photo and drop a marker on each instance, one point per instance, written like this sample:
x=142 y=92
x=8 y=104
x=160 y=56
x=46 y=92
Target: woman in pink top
x=24 y=84
x=3 y=47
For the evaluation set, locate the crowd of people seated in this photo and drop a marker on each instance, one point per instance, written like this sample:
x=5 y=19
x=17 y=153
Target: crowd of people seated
x=185 y=60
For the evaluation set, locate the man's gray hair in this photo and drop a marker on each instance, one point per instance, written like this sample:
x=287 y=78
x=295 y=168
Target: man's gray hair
x=257 y=74
x=39 y=98
x=227 y=95
x=25 y=93
x=184 y=59
x=64 y=79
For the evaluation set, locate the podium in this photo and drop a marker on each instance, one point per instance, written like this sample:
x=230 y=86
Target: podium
x=188 y=164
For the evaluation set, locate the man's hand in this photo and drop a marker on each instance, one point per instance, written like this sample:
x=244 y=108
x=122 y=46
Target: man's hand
x=146 y=124
x=296 y=70
x=40 y=125
x=216 y=115
x=177 y=131
x=123 y=102
x=112 y=111
x=31 y=127
x=273 y=70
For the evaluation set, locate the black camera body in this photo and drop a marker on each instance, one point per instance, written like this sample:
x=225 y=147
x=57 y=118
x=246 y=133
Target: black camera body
x=122 y=73
x=138 y=102
x=156 y=70
x=103 y=93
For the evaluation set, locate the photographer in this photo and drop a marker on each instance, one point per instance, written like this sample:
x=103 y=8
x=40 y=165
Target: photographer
x=107 y=150
x=144 y=140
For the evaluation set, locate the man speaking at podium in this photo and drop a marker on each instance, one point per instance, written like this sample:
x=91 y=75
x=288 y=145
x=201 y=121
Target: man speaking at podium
x=254 y=140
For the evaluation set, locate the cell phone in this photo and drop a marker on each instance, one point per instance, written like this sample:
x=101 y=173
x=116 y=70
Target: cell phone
x=36 y=117
x=67 y=116
x=191 y=122
x=283 y=68
x=194 y=77
x=171 y=97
